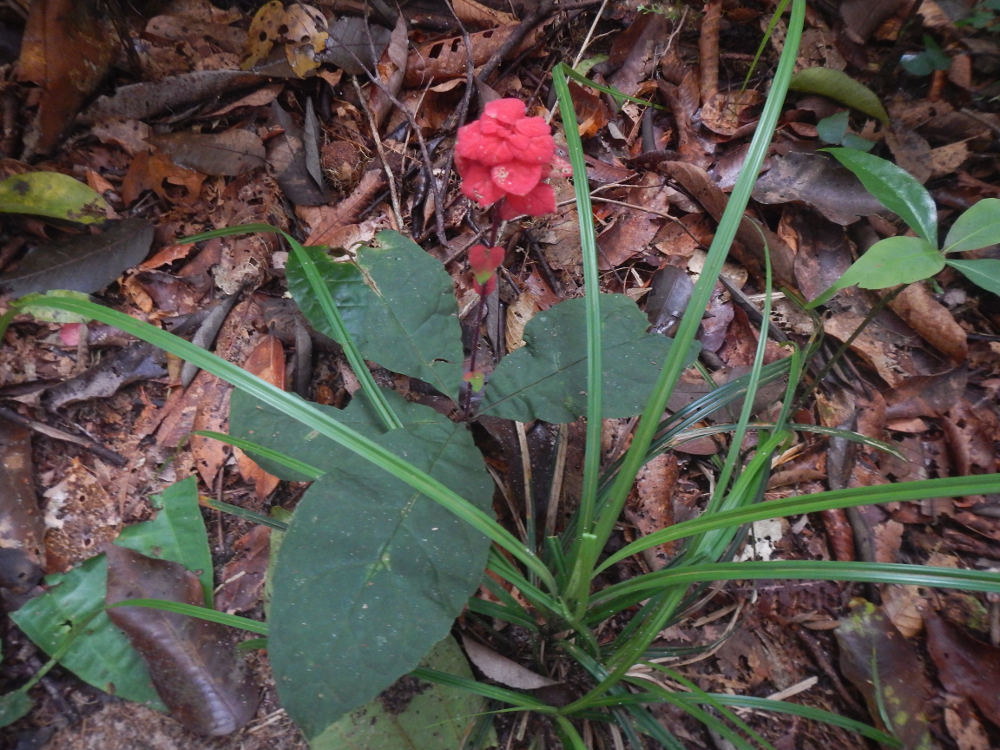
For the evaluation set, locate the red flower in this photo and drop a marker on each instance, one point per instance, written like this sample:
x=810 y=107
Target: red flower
x=505 y=154
x=484 y=261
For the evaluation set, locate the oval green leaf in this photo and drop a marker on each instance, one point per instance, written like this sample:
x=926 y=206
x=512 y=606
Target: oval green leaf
x=977 y=227
x=984 y=273
x=52 y=194
x=837 y=85
x=370 y=574
x=895 y=188
x=397 y=303
x=893 y=261
x=547 y=378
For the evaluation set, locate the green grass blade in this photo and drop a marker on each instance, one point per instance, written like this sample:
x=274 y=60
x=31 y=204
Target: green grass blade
x=794 y=506
x=202 y=613
x=577 y=588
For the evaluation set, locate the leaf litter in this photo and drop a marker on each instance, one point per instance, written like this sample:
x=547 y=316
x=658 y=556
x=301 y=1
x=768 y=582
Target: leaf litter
x=187 y=140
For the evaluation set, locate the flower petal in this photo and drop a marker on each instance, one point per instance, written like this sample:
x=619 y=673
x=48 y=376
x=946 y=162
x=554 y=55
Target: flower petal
x=477 y=183
x=505 y=110
x=516 y=177
x=540 y=201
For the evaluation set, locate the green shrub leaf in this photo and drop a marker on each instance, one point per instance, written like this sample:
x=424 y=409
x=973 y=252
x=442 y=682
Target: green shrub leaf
x=370 y=575
x=984 y=273
x=895 y=188
x=547 y=378
x=837 y=85
x=977 y=227
x=889 y=262
x=397 y=303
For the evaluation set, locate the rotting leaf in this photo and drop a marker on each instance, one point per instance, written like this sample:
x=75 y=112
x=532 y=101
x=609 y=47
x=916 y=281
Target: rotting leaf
x=229 y=153
x=86 y=263
x=191 y=661
x=21 y=527
x=355 y=45
x=52 y=194
x=137 y=361
x=886 y=669
x=966 y=666
x=818 y=182
x=67 y=49
x=266 y=361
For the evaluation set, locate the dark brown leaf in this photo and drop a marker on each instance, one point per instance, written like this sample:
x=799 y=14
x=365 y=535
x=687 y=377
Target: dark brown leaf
x=966 y=666
x=86 y=263
x=192 y=662
x=885 y=668
x=229 y=153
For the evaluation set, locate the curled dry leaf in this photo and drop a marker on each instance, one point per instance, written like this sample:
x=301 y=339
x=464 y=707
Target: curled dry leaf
x=966 y=666
x=192 y=662
x=503 y=670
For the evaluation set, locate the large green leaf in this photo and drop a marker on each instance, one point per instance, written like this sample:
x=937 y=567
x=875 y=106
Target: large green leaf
x=397 y=303
x=101 y=655
x=889 y=262
x=412 y=715
x=895 y=188
x=547 y=378
x=984 y=273
x=977 y=227
x=370 y=574
x=177 y=533
x=52 y=194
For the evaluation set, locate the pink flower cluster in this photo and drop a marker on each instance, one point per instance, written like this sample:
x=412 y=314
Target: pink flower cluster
x=507 y=155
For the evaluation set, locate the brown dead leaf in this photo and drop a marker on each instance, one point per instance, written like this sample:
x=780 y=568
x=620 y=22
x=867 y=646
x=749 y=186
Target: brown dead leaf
x=156 y=172
x=266 y=361
x=966 y=666
x=932 y=321
x=228 y=153
x=243 y=576
x=67 y=49
x=470 y=11
x=80 y=518
x=519 y=312
x=886 y=669
x=192 y=662
x=728 y=113
x=652 y=508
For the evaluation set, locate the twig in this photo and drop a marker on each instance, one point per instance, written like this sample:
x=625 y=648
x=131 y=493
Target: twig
x=40 y=427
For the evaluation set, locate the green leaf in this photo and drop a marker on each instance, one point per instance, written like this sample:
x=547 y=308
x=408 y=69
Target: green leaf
x=52 y=194
x=977 y=227
x=370 y=574
x=984 y=273
x=924 y=63
x=895 y=189
x=411 y=714
x=177 y=533
x=268 y=427
x=13 y=706
x=889 y=262
x=101 y=655
x=547 y=378
x=397 y=303
x=837 y=85
x=832 y=129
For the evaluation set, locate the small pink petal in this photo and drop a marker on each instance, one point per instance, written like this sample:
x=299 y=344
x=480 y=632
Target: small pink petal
x=515 y=177
x=533 y=126
x=478 y=185
x=540 y=201
x=505 y=110
x=468 y=139
x=69 y=334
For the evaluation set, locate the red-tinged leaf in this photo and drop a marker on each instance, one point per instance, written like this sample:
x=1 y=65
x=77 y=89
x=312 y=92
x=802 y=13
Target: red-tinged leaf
x=192 y=662
x=885 y=668
x=966 y=666
x=266 y=361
